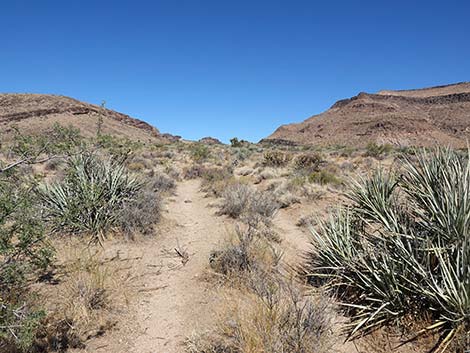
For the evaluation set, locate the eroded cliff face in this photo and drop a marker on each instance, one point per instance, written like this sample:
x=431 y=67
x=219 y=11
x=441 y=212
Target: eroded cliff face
x=421 y=117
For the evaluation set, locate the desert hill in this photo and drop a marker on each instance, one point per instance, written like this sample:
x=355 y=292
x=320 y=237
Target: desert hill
x=38 y=112
x=421 y=117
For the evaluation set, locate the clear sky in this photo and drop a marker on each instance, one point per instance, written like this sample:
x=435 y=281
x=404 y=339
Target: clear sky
x=229 y=68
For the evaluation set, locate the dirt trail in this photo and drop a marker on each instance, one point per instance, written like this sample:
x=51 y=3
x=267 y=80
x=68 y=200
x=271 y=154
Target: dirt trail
x=174 y=300
x=170 y=297
x=180 y=302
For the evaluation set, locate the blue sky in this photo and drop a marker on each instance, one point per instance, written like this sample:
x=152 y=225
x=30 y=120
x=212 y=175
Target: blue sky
x=229 y=68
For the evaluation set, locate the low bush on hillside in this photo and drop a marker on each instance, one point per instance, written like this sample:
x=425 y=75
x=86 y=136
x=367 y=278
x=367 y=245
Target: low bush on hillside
x=199 y=152
x=324 y=177
x=307 y=163
x=377 y=151
x=160 y=183
x=402 y=251
x=141 y=214
x=275 y=158
x=194 y=171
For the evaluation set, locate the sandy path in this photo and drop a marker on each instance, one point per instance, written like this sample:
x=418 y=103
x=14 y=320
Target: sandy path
x=179 y=301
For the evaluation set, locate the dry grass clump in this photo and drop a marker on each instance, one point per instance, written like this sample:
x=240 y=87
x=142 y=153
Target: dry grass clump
x=244 y=171
x=243 y=200
x=140 y=215
x=86 y=302
x=378 y=150
x=245 y=252
x=285 y=193
x=307 y=221
x=273 y=316
x=216 y=179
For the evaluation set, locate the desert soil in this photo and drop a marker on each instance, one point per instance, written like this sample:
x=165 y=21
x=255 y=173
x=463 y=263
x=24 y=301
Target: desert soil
x=172 y=298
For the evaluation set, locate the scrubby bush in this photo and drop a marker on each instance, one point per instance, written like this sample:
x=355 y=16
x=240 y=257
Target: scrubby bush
x=160 y=182
x=245 y=253
x=403 y=249
x=241 y=154
x=194 y=171
x=90 y=197
x=24 y=255
x=235 y=200
x=141 y=214
x=274 y=316
x=307 y=163
x=243 y=201
x=274 y=158
x=375 y=150
x=200 y=152
x=323 y=177
x=216 y=180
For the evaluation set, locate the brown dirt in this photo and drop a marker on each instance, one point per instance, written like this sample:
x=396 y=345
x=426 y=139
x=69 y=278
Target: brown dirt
x=173 y=298
x=420 y=117
x=38 y=112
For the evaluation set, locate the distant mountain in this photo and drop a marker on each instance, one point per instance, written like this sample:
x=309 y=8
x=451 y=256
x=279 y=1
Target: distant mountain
x=38 y=112
x=419 y=117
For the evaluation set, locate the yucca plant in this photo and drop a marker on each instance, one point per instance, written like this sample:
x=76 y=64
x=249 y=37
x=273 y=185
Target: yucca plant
x=90 y=196
x=402 y=250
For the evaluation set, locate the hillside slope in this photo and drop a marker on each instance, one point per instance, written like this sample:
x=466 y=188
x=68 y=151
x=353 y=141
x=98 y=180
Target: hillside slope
x=38 y=112
x=421 y=117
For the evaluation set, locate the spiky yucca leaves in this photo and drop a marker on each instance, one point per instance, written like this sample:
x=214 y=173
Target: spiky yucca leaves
x=90 y=196
x=439 y=187
x=391 y=260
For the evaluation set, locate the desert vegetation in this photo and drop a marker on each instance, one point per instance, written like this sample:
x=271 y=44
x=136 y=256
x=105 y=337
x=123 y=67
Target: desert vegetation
x=268 y=248
x=55 y=187
x=400 y=251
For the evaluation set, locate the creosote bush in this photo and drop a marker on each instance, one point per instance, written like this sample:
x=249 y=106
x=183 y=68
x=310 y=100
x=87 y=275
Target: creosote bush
x=378 y=150
x=402 y=251
x=324 y=177
x=307 y=163
x=274 y=158
x=24 y=256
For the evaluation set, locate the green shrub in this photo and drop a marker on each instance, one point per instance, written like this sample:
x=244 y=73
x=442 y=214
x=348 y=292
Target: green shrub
x=90 y=196
x=24 y=255
x=235 y=142
x=200 y=152
x=375 y=150
x=275 y=158
x=403 y=249
x=307 y=163
x=323 y=177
